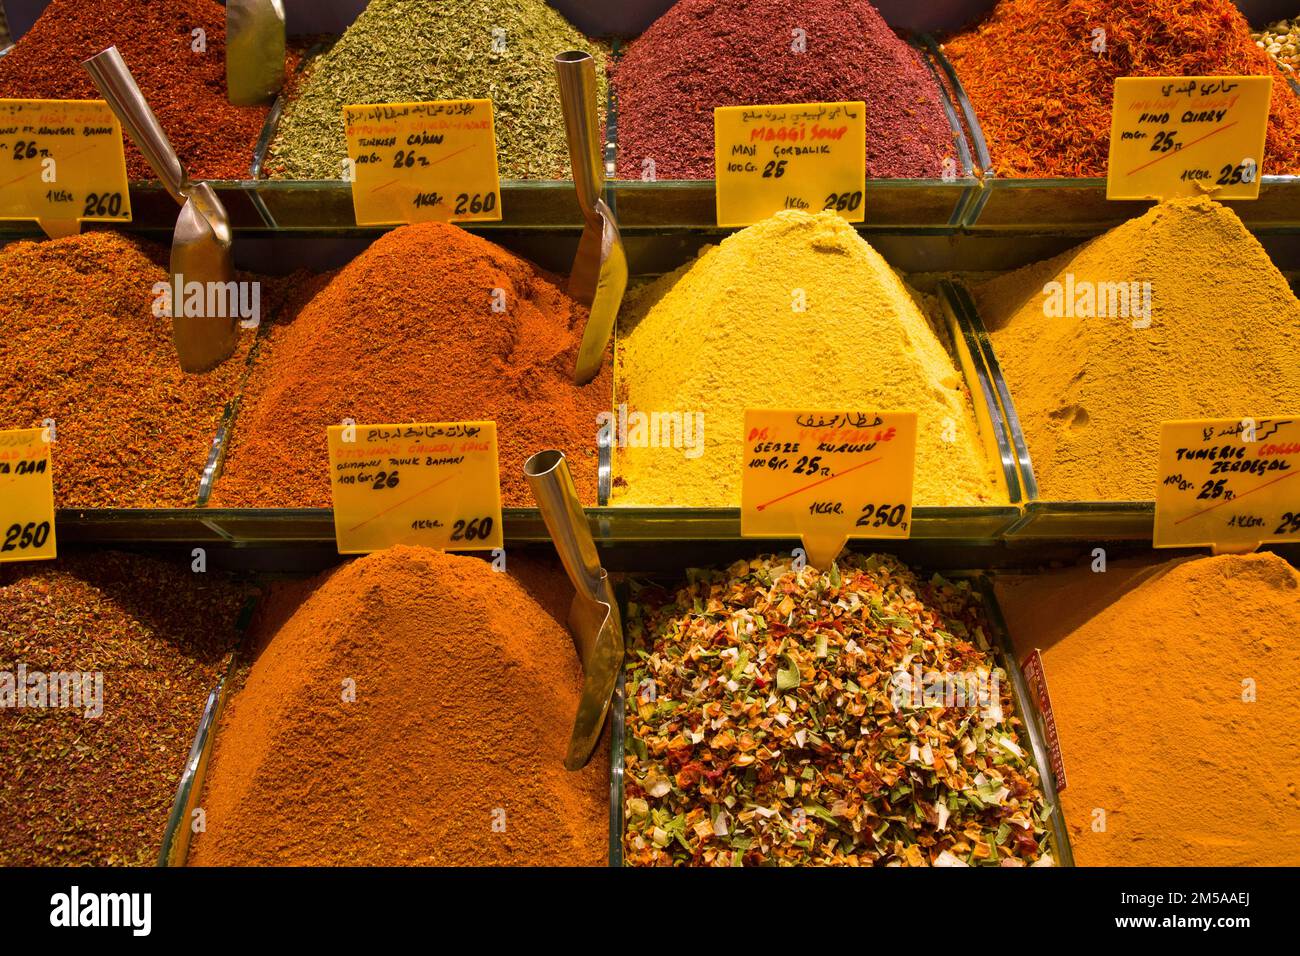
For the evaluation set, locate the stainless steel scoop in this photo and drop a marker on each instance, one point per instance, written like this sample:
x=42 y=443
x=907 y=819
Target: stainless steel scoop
x=254 y=50
x=594 y=619
x=599 y=275
x=201 y=240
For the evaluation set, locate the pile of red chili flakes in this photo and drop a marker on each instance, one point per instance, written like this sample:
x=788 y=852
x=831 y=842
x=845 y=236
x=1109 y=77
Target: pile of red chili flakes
x=774 y=717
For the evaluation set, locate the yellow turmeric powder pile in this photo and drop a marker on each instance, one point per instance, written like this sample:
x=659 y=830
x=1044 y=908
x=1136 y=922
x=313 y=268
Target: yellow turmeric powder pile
x=1093 y=372
x=796 y=311
x=1176 y=692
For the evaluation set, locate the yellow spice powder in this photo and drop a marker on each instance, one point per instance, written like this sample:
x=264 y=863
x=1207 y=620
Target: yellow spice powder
x=796 y=311
x=1092 y=385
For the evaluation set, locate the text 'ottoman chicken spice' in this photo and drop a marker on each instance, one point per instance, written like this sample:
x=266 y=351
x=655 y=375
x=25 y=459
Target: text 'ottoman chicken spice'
x=853 y=717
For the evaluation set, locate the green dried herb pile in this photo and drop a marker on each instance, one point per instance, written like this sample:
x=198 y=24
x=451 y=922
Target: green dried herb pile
x=765 y=724
x=400 y=51
x=96 y=790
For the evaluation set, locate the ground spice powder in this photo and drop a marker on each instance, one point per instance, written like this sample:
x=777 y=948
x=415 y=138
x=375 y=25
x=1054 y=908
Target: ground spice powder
x=774 y=719
x=1043 y=95
x=185 y=88
x=82 y=346
x=407 y=332
x=401 y=51
x=96 y=791
x=1091 y=389
x=795 y=311
x=707 y=53
x=452 y=750
x=1151 y=669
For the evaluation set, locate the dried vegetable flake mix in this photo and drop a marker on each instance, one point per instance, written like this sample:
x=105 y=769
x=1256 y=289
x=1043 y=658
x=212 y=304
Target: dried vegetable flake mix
x=762 y=725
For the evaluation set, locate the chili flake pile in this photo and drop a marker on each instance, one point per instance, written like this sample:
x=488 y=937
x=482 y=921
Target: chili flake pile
x=79 y=787
x=765 y=724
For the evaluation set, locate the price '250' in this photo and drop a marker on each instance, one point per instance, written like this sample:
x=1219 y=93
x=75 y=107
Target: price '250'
x=19 y=537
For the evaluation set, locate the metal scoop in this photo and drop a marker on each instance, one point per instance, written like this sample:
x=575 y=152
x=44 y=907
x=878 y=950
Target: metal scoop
x=594 y=619
x=599 y=274
x=254 y=50
x=201 y=241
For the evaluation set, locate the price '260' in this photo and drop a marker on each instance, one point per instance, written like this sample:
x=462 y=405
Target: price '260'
x=19 y=537
x=103 y=204
x=476 y=529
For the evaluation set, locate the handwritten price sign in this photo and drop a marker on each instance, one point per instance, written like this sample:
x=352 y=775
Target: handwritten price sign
x=1182 y=136
x=827 y=476
x=433 y=485
x=61 y=162
x=1228 y=482
x=26 y=496
x=809 y=156
x=421 y=162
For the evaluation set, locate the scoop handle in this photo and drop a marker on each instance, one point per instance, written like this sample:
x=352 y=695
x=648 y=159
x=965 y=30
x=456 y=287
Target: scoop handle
x=111 y=76
x=557 y=498
x=576 y=72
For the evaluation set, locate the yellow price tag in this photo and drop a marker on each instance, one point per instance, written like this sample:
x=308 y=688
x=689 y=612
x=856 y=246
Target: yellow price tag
x=434 y=485
x=809 y=156
x=422 y=162
x=26 y=496
x=61 y=163
x=1228 y=482
x=827 y=477
x=1183 y=136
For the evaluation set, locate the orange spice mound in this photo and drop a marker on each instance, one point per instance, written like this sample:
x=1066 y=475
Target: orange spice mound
x=1043 y=97
x=451 y=753
x=79 y=344
x=1147 y=666
x=406 y=333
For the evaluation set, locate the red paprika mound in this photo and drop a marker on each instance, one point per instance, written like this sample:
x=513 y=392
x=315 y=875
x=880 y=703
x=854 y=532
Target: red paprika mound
x=429 y=324
x=1041 y=75
x=707 y=53
x=185 y=87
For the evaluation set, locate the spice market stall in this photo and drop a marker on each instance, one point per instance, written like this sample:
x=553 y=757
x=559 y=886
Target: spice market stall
x=915 y=504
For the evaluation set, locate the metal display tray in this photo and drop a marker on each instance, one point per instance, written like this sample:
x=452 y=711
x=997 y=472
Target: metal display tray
x=178 y=831
x=1026 y=709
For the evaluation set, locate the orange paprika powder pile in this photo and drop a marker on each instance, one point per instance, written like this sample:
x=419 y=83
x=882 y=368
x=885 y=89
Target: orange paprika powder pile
x=429 y=324
x=413 y=709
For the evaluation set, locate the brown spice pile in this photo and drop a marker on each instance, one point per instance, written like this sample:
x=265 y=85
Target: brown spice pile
x=97 y=791
x=451 y=752
x=407 y=333
x=81 y=345
x=185 y=88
